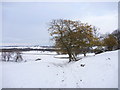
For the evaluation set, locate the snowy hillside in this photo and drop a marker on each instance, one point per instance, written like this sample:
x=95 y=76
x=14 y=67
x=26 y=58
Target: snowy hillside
x=0 y=75
x=100 y=71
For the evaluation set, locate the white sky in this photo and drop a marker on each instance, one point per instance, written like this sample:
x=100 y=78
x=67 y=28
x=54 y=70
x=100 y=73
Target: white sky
x=27 y=22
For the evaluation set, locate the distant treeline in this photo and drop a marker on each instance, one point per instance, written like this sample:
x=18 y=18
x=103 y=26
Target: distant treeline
x=26 y=49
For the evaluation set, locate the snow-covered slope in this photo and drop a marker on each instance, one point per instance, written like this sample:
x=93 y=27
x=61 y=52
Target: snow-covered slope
x=100 y=71
x=0 y=75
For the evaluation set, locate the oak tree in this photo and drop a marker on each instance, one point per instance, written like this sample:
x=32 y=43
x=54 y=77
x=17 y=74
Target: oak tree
x=72 y=37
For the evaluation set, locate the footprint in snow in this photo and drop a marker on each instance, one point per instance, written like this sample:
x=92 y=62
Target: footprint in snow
x=82 y=65
x=77 y=85
x=108 y=59
x=81 y=80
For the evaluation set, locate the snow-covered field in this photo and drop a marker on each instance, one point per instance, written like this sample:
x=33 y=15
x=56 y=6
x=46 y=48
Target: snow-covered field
x=100 y=71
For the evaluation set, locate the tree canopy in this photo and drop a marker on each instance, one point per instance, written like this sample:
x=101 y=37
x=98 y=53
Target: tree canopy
x=110 y=42
x=73 y=37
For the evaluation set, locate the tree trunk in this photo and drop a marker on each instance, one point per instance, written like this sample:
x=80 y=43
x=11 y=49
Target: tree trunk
x=8 y=58
x=70 y=57
x=74 y=58
x=84 y=54
x=16 y=59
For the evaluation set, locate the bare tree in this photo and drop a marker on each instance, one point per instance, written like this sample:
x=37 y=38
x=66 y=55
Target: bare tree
x=18 y=56
x=6 y=56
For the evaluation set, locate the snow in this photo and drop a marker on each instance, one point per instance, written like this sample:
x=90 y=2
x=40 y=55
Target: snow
x=0 y=75
x=80 y=55
x=100 y=71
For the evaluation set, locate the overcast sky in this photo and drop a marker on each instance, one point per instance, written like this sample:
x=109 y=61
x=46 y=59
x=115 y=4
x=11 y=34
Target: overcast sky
x=27 y=22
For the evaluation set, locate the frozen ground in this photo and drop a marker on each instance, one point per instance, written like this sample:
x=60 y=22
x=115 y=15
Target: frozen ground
x=100 y=71
x=0 y=75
